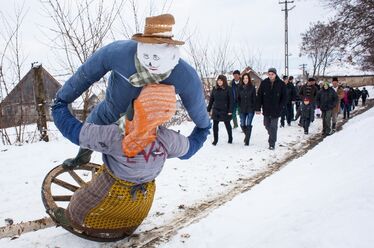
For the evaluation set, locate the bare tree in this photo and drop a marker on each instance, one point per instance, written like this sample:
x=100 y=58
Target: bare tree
x=198 y=52
x=79 y=30
x=12 y=63
x=355 y=24
x=319 y=44
x=222 y=57
x=247 y=57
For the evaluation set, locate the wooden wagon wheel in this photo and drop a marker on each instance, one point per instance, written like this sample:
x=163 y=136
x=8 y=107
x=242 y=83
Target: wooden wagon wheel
x=50 y=199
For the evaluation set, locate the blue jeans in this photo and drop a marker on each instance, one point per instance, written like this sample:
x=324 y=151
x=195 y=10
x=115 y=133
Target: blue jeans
x=246 y=119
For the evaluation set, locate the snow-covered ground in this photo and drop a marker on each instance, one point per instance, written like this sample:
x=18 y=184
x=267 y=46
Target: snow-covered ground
x=323 y=199
x=211 y=172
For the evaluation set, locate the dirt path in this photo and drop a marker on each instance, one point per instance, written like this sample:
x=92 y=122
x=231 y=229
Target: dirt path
x=156 y=236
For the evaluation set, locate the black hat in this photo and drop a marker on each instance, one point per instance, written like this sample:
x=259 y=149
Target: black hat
x=285 y=77
x=335 y=79
x=290 y=78
x=273 y=70
x=236 y=72
x=311 y=79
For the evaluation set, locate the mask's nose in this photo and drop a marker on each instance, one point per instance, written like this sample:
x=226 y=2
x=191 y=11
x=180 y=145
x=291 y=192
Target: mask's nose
x=150 y=64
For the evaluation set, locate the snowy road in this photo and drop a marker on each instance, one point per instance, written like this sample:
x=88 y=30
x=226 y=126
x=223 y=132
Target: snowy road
x=324 y=199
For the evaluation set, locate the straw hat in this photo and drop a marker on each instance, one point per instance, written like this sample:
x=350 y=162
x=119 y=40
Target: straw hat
x=158 y=30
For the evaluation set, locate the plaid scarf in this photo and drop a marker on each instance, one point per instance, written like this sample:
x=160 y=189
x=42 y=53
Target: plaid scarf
x=143 y=76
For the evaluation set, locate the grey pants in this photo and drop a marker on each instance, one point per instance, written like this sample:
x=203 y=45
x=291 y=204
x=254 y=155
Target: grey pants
x=326 y=121
x=334 y=116
x=271 y=125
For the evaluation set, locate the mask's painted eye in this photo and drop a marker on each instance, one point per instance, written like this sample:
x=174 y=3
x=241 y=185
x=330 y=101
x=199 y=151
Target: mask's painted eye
x=146 y=56
x=155 y=57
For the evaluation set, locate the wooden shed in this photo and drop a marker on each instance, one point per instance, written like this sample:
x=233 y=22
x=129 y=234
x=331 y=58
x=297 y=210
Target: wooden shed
x=31 y=98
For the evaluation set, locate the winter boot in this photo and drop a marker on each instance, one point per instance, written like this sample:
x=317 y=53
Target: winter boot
x=83 y=157
x=230 y=140
x=306 y=131
x=333 y=127
x=215 y=137
x=243 y=128
x=248 y=135
x=229 y=133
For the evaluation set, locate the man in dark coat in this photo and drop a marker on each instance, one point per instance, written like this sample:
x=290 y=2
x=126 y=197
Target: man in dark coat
x=364 y=95
x=292 y=95
x=291 y=98
x=234 y=89
x=358 y=95
x=283 y=114
x=298 y=98
x=353 y=96
x=309 y=90
x=271 y=97
x=326 y=99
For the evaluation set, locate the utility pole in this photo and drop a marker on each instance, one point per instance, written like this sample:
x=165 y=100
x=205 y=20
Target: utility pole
x=286 y=9
x=303 y=66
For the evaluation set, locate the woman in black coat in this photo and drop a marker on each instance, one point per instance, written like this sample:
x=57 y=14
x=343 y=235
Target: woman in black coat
x=247 y=105
x=221 y=105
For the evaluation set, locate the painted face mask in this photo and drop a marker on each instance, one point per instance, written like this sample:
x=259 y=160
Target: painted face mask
x=158 y=58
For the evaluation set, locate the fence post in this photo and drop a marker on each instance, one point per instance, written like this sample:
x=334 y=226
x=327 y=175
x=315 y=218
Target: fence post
x=40 y=101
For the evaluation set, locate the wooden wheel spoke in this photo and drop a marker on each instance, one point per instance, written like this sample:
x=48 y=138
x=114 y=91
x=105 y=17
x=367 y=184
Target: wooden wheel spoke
x=65 y=185
x=61 y=197
x=50 y=198
x=77 y=178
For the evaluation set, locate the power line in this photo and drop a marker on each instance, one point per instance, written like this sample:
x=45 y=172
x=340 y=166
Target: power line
x=286 y=10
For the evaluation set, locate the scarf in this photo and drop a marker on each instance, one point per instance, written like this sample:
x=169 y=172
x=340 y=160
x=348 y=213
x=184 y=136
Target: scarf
x=143 y=77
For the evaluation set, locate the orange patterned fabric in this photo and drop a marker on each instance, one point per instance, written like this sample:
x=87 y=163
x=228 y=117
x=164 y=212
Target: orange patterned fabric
x=155 y=105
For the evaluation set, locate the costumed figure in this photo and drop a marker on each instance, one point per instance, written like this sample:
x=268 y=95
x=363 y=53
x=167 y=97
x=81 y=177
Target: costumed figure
x=147 y=58
x=146 y=73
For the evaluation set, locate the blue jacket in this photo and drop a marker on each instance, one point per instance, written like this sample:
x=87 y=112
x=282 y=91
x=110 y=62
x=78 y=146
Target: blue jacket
x=118 y=59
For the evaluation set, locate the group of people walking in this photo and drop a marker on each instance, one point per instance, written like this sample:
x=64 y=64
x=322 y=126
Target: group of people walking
x=224 y=99
x=276 y=99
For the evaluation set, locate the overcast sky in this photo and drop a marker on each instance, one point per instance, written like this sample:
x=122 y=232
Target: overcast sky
x=254 y=24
